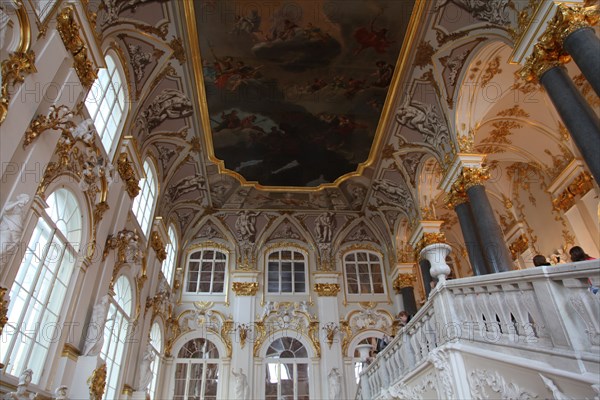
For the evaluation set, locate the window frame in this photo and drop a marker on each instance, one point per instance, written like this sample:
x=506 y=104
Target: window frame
x=38 y=278
x=157 y=350
x=210 y=294
x=168 y=265
x=188 y=362
x=279 y=362
x=97 y=96
x=123 y=325
x=359 y=296
x=145 y=201
x=293 y=272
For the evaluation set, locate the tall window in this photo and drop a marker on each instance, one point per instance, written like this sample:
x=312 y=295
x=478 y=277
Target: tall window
x=363 y=273
x=287 y=370
x=168 y=266
x=115 y=335
x=105 y=103
x=156 y=346
x=206 y=271
x=197 y=371
x=39 y=290
x=286 y=272
x=143 y=204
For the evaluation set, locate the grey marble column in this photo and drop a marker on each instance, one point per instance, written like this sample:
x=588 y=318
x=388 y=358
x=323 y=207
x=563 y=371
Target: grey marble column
x=494 y=247
x=584 y=46
x=577 y=115
x=472 y=242
x=408 y=295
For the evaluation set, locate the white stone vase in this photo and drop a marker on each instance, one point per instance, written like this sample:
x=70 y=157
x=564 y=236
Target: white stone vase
x=436 y=255
x=364 y=350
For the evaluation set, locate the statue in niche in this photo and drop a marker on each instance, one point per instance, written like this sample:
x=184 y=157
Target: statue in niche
x=11 y=225
x=335 y=384
x=241 y=389
x=94 y=339
x=325 y=224
x=146 y=373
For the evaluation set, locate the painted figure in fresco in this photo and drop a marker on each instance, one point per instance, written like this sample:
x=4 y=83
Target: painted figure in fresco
x=228 y=121
x=249 y=24
x=372 y=38
x=384 y=74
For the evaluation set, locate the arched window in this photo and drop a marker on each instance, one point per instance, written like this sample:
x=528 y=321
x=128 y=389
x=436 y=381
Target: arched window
x=105 y=103
x=197 y=371
x=168 y=266
x=286 y=272
x=156 y=346
x=115 y=334
x=363 y=273
x=40 y=287
x=287 y=370
x=206 y=271
x=143 y=204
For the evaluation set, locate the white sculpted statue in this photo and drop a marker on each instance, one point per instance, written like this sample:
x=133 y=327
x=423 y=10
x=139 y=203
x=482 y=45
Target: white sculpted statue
x=11 y=224
x=61 y=393
x=21 y=393
x=94 y=339
x=84 y=131
x=241 y=385
x=146 y=373
x=335 y=384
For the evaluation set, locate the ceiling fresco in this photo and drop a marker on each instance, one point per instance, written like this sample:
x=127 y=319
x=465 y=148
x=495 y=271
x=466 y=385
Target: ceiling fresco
x=295 y=90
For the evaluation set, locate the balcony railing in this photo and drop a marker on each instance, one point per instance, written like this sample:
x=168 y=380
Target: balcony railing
x=542 y=316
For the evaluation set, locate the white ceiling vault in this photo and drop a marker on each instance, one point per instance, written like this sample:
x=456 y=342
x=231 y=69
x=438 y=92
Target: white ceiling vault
x=452 y=79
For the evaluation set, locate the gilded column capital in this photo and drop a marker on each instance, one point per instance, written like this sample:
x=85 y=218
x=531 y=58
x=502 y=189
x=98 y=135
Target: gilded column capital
x=457 y=195
x=404 y=281
x=14 y=69
x=245 y=288
x=125 y=168
x=158 y=246
x=548 y=51
x=474 y=176
x=327 y=289
x=569 y=19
